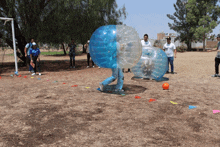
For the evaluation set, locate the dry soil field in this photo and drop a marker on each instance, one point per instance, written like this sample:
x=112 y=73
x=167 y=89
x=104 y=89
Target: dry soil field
x=44 y=113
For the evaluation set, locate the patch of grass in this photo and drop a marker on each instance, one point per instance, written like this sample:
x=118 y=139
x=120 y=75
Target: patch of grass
x=58 y=53
x=9 y=54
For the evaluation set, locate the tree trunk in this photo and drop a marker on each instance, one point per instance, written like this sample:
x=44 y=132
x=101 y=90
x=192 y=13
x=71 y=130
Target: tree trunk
x=63 y=48
x=203 y=43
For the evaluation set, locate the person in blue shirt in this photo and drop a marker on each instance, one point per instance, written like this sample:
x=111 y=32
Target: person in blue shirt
x=27 y=54
x=35 y=57
x=72 y=53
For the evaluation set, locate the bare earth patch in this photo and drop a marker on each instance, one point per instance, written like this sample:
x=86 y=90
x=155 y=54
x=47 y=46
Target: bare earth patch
x=44 y=113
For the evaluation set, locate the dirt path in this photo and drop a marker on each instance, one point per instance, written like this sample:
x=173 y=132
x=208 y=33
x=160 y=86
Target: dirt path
x=44 y=113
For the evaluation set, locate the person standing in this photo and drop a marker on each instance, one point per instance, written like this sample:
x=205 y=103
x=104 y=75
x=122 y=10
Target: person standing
x=217 y=58
x=72 y=53
x=35 y=58
x=27 y=54
x=170 y=49
x=88 y=54
x=145 y=42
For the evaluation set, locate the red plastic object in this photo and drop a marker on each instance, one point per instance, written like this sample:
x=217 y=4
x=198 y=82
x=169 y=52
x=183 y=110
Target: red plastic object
x=19 y=75
x=137 y=97
x=25 y=76
x=64 y=83
x=74 y=86
x=151 y=100
x=0 y=77
x=165 y=86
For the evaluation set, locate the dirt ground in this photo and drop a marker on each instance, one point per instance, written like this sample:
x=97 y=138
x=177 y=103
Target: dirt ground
x=44 y=113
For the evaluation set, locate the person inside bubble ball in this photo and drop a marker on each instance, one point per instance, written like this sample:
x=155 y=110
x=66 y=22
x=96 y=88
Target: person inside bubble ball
x=116 y=74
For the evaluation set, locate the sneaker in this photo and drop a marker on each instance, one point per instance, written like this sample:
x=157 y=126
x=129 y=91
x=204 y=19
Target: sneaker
x=70 y=66
x=101 y=86
x=33 y=74
x=39 y=74
x=87 y=67
x=172 y=72
x=73 y=66
x=119 y=91
x=215 y=75
x=167 y=72
x=93 y=66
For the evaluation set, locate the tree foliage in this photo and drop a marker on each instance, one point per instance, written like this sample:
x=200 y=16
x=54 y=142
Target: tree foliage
x=55 y=22
x=203 y=13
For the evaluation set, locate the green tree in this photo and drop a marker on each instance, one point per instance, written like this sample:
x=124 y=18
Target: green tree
x=203 y=13
x=55 y=22
x=180 y=25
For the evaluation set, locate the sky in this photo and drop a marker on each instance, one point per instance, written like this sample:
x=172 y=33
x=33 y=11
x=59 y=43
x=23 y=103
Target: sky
x=149 y=16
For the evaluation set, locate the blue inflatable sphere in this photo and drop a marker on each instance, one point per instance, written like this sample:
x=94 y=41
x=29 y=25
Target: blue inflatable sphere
x=115 y=46
x=153 y=64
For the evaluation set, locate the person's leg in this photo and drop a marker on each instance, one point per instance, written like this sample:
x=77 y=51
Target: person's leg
x=88 y=56
x=35 y=67
x=120 y=80
x=217 y=61
x=38 y=66
x=168 y=63
x=74 y=59
x=171 y=64
x=71 y=63
x=28 y=62
x=112 y=78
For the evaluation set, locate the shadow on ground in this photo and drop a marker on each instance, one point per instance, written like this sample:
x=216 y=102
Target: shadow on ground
x=149 y=80
x=48 y=124
x=128 y=89
x=46 y=66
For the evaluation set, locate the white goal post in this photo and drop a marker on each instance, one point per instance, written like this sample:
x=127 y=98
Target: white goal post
x=13 y=38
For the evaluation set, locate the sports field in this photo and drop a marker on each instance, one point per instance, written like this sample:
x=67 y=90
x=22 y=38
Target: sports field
x=52 y=112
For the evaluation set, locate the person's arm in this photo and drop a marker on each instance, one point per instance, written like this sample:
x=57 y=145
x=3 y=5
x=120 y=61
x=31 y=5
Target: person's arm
x=174 y=47
x=25 y=51
x=164 y=48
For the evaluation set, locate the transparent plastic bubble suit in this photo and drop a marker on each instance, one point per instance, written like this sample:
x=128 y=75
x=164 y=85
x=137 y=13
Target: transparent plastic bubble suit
x=153 y=64
x=115 y=46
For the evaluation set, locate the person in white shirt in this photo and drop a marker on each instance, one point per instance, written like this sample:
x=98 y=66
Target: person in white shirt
x=145 y=42
x=217 y=58
x=88 y=54
x=170 y=49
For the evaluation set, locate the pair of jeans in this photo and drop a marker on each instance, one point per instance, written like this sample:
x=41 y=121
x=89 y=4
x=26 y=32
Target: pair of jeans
x=72 y=59
x=88 y=58
x=170 y=61
x=217 y=61
x=37 y=64
x=116 y=74
x=28 y=60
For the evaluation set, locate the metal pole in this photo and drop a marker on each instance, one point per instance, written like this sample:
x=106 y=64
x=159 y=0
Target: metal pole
x=14 y=46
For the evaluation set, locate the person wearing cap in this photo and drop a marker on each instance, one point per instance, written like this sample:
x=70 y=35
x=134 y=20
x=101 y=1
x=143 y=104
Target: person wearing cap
x=72 y=53
x=217 y=58
x=170 y=49
x=27 y=48
x=88 y=54
x=35 y=57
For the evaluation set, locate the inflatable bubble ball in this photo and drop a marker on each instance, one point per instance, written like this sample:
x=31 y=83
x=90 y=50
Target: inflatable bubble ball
x=115 y=46
x=153 y=64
